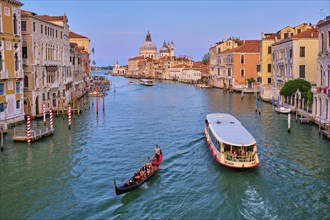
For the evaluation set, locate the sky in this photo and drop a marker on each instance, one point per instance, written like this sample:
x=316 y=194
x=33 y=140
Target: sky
x=117 y=28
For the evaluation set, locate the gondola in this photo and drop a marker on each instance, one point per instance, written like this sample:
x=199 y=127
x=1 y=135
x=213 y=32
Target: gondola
x=132 y=184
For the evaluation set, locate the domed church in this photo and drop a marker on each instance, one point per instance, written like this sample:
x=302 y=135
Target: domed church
x=148 y=48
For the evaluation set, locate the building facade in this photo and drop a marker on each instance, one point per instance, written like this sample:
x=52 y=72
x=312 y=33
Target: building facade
x=265 y=67
x=321 y=100
x=11 y=70
x=295 y=57
x=238 y=65
x=46 y=57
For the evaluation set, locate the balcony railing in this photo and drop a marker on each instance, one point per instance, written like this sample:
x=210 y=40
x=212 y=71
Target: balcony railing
x=4 y=74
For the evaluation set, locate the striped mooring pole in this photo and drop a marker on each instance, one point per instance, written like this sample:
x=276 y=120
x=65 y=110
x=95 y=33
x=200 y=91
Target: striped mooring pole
x=28 y=129
x=69 y=117
x=51 y=118
x=44 y=113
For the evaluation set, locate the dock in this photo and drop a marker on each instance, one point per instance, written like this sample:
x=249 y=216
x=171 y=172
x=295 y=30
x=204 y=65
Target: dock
x=36 y=134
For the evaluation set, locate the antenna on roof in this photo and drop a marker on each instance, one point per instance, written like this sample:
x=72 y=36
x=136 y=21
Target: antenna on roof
x=321 y=13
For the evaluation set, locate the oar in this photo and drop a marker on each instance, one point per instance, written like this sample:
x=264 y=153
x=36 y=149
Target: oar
x=140 y=161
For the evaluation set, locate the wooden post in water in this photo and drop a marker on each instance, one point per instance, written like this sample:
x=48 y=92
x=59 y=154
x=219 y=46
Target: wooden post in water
x=297 y=114
x=242 y=94
x=1 y=138
x=289 y=122
x=329 y=131
x=103 y=102
x=319 y=128
x=97 y=101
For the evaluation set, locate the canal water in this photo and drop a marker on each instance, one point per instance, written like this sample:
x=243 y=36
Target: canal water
x=70 y=175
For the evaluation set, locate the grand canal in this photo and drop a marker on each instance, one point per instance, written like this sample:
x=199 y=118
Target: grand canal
x=70 y=175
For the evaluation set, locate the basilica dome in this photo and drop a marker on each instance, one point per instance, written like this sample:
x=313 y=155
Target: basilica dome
x=148 y=45
x=164 y=48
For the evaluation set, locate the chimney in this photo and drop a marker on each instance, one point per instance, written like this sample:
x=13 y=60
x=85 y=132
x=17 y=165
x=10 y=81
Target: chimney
x=275 y=38
x=262 y=35
x=312 y=35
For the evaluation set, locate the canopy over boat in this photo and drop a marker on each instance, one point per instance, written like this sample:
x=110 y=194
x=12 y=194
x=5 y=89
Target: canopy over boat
x=226 y=128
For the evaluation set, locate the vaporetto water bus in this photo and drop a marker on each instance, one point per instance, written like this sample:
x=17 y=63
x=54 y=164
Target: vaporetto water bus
x=230 y=143
x=146 y=82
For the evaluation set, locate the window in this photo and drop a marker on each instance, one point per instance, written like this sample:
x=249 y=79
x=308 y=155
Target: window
x=6 y=11
x=301 y=71
x=23 y=23
x=242 y=72
x=1 y=61
x=2 y=89
x=269 y=80
x=18 y=104
x=8 y=45
x=258 y=68
x=24 y=52
x=34 y=27
x=15 y=23
x=219 y=50
x=2 y=108
x=242 y=58
x=269 y=68
x=269 y=49
x=291 y=53
x=18 y=87
x=329 y=38
x=286 y=35
x=218 y=71
x=41 y=28
x=229 y=72
x=302 y=51
x=56 y=33
x=298 y=31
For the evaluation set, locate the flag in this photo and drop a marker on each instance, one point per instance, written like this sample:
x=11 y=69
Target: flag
x=93 y=50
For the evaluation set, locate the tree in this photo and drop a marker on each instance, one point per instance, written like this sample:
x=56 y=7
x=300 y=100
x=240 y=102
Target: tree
x=206 y=58
x=291 y=86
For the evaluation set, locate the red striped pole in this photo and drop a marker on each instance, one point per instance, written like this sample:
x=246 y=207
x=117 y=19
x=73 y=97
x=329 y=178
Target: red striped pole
x=51 y=118
x=69 y=117
x=44 y=112
x=28 y=129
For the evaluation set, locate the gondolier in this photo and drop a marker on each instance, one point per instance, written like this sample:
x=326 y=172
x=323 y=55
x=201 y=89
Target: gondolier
x=157 y=152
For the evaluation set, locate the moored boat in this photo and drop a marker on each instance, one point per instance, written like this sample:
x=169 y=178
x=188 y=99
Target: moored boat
x=283 y=110
x=146 y=82
x=149 y=169
x=230 y=143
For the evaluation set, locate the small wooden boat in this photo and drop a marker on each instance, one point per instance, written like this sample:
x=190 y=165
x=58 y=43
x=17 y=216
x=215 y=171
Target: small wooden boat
x=283 y=110
x=133 y=182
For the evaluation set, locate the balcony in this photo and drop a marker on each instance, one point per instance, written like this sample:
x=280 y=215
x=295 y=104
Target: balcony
x=25 y=61
x=3 y=75
x=20 y=74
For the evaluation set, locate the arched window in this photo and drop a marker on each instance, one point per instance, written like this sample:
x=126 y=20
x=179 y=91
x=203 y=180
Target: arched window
x=26 y=81
x=242 y=59
x=322 y=39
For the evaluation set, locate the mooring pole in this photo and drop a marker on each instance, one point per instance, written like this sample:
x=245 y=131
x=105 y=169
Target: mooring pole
x=289 y=122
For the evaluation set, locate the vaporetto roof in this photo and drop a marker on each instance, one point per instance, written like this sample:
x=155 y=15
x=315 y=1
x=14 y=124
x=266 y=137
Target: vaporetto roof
x=226 y=128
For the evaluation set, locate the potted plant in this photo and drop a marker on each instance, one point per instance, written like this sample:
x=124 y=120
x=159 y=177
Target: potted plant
x=250 y=81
